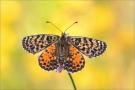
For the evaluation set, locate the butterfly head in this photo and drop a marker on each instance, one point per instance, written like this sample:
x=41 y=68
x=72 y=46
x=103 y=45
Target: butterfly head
x=64 y=35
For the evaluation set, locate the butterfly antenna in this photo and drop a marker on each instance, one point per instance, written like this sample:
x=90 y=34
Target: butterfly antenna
x=53 y=25
x=70 y=26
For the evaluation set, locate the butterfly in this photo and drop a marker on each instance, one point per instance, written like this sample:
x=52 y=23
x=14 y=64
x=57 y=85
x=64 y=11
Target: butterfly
x=63 y=52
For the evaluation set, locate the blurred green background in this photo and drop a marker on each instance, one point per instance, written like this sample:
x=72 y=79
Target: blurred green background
x=109 y=21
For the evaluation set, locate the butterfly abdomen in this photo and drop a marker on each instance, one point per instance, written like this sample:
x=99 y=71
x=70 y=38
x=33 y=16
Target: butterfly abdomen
x=61 y=59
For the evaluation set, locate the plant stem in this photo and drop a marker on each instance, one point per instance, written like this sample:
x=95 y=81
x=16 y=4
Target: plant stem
x=72 y=81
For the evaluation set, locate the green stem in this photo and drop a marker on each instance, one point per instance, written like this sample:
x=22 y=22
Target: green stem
x=72 y=81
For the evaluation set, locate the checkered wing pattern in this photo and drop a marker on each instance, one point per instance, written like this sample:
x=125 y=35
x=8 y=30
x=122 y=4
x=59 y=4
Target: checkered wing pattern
x=75 y=61
x=48 y=59
x=36 y=43
x=88 y=46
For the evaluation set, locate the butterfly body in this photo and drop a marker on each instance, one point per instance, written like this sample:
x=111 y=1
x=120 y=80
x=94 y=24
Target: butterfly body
x=62 y=49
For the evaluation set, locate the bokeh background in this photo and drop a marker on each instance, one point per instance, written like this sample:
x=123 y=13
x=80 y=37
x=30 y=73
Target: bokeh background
x=109 y=21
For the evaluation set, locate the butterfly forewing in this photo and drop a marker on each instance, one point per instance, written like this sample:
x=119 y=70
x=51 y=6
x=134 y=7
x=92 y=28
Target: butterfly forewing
x=36 y=43
x=88 y=46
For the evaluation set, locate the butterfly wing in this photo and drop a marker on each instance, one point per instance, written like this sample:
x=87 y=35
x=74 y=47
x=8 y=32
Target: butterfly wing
x=75 y=61
x=88 y=46
x=48 y=59
x=36 y=43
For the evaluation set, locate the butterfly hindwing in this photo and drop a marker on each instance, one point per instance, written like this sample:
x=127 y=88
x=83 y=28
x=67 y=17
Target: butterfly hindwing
x=48 y=59
x=88 y=46
x=36 y=43
x=74 y=61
